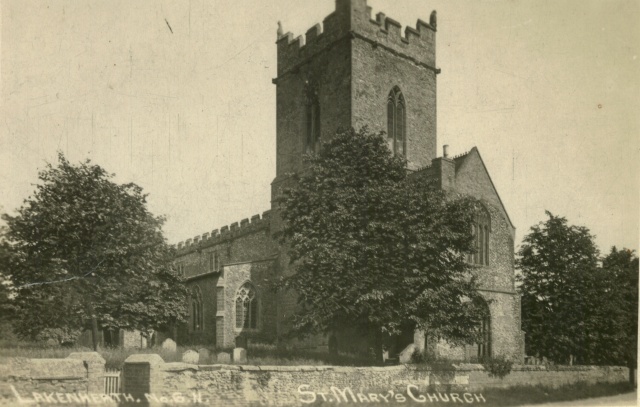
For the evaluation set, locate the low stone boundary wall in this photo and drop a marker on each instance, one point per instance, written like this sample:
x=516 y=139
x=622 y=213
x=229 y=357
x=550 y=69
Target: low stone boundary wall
x=295 y=385
x=52 y=380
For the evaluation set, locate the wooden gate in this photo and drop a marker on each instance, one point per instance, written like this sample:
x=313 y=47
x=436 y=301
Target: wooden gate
x=111 y=381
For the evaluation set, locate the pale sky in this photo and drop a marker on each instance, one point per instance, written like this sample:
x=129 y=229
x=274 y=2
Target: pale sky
x=547 y=90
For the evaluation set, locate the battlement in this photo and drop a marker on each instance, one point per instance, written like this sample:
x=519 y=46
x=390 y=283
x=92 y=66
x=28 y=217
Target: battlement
x=352 y=19
x=226 y=232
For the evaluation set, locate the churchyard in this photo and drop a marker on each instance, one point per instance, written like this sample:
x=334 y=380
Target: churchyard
x=205 y=375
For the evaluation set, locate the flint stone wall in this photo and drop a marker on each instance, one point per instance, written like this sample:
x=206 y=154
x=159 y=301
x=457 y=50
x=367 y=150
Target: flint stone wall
x=79 y=373
x=285 y=385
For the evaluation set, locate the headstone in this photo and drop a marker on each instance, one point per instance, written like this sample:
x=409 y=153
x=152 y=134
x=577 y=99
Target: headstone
x=169 y=345
x=405 y=355
x=239 y=355
x=191 y=357
x=204 y=355
x=224 y=357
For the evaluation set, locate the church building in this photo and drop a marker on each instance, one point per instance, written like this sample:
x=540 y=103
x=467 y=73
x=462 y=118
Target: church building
x=350 y=71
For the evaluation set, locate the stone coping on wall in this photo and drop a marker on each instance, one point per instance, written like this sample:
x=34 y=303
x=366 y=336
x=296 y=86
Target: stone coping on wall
x=43 y=369
x=179 y=366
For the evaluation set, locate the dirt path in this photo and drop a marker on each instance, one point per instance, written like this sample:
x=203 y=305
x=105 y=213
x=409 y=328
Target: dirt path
x=626 y=399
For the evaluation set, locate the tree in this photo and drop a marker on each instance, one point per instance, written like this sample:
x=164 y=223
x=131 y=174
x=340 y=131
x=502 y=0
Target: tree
x=560 y=285
x=86 y=251
x=375 y=249
x=618 y=311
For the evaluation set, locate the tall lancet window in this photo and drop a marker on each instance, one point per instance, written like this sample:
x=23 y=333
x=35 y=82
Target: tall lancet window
x=481 y=231
x=484 y=346
x=197 y=310
x=396 y=121
x=312 y=117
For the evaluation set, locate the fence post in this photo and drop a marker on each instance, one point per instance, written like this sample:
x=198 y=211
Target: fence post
x=142 y=374
x=95 y=369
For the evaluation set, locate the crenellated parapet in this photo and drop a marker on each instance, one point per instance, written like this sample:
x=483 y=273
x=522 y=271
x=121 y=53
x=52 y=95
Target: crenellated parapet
x=225 y=233
x=352 y=19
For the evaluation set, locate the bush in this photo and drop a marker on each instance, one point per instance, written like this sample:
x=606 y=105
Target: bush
x=420 y=358
x=498 y=366
x=436 y=365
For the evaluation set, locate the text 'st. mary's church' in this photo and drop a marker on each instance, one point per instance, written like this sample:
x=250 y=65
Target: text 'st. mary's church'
x=350 y=71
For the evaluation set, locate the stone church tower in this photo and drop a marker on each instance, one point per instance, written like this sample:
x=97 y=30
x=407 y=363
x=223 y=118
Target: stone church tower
x=351 y=71
x=344 y=73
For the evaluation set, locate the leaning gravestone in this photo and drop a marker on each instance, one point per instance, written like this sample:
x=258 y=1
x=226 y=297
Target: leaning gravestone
x=239 y=355
x=224 y=357
x=191 y=357
x=405 y=355
x=169 y=345
x=204 y=355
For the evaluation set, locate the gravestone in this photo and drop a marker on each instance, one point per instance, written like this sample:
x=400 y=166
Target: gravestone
x=204 y=355
x=191 y=357
x=239 y=355
x=169 y=345
x=405 y=355
x=224 y=357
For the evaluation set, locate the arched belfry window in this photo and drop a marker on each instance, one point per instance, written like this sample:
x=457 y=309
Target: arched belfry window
x=484 y=346
x=396 y=121
x=481 y=230
x=246 y=307
x=312 y=117
x=197 y=311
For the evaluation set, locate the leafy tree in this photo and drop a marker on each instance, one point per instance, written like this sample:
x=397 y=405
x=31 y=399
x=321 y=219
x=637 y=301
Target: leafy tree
x=375 y=249
x=560 y=284
x=86 y=251
x=7 y=291
x=618 y=311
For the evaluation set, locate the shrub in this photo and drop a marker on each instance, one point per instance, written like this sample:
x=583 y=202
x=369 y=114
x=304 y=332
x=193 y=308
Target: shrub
x=498 y=366
x=436 y=365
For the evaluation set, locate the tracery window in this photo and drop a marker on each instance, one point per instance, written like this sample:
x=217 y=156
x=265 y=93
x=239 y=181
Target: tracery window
x=197 y=311
x=246 y=307
x=312 y=117
x=481 y=231
x=396 y=121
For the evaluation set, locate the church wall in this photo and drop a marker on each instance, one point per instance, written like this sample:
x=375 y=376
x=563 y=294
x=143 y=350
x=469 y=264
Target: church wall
x=261 y=275
x=330 y=69
x=247 y=241
x=471 y=179
x=497 y=279
x=238 y=242
x=375 y=72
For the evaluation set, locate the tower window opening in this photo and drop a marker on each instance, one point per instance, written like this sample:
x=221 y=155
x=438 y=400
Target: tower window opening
x=312 y=118
x=396 y=121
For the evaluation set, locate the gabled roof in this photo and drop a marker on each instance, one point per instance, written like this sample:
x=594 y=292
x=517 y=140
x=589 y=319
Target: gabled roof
x=460 y=161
